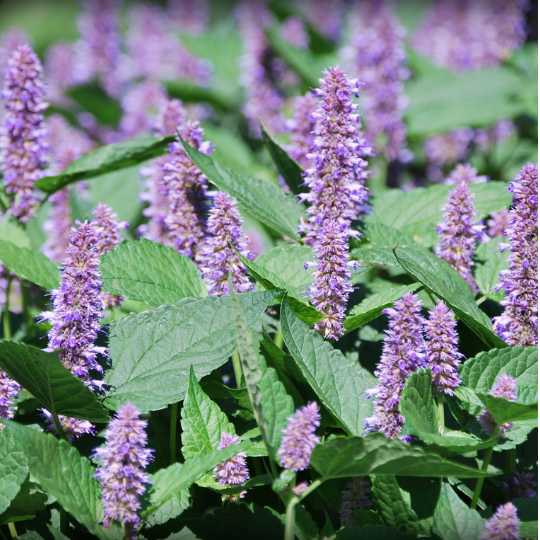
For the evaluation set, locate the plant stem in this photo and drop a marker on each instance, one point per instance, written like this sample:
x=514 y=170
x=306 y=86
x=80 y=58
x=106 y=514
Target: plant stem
x=13 y=530
x=174 y=420
x=278 y=340
x=510 y=462
x=481 y=300
x=314 y=485
x=64 y=522
x=7 y=322
x=440 y=406
x=289 y=518
x=480 y=481
x=237 y=368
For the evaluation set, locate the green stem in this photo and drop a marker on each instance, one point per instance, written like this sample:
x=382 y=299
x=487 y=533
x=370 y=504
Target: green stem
x=64 y=522
x=289 y=518
x=174 y=421
x=13 y=530
x=510 y=462
x=440 y=406
x=237 y=368
x=154 y=419
x=7 y=322
x=481 y=300
x=278 y=340
x=480 y=481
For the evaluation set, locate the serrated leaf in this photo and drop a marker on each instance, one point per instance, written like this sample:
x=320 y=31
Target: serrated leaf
x=289 y=169
x=264 y=201
x=372 y=307
x=64 y=474
x=504 y=411
x=374 y=532
x=13 y=468
x=152 y=352
x=28 y=502
x=172 y=508
x=375 y=454
x=30 y=265
x=304 y=312
x=454 y=520
x=438 y=276
x=150 y=272
x=383 y=235
x=11 y=231
x=491 y=262
x=378 y=255
x=54 y=386
x=394 y=511
x=339 y=386
x=106 y=159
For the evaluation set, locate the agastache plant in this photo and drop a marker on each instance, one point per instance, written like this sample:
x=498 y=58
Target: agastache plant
x=122 y=475
x=403 y=353
x=355 y=497
x=234 y=471
x=23 y=142
x=503 y=525
x=504 y=387
x=518 y=324
x=301 y=127
x=520 y=486
x=9 y=390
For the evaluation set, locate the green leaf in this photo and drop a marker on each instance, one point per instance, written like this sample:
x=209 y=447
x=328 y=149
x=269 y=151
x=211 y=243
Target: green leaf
x=504 y=411
x=304 y=312
x=26 y=504
x=13 y=468
x=529 y=530
x=438 y=276
x=92 y=98
x=105 y=159
x=394 y=511
x=150 y=272
x=527 y=508
x=422 y=494
x=174 y=506
x=375 y=454
x=53 y=385
x=172 y=480
x=337 y=383
x=421 y=208
x=454 y=520
x=30 y=265
x=374 y=532
x=264 y=201
x=289 y=169
x=11 y=231
x=63 y=474
x=492 y=263
x=372 y=307
x=152 y=352
x=378 y=254
x=383 y=235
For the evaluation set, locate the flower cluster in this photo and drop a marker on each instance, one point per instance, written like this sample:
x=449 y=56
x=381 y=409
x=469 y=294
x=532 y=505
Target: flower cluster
x=498 y=223
x=234 y=471
x=299 y=439
x=403 y=353
x=442 y=354
x=301 y=127
x=9 y=390
x=376 y=55
x=293 y=32
x=504 y=387
x=355 y=497
x=520 y=486
x=503 y=525
x=466 y=174
x=458 y=233
x=518 y=324
x=189 y=16
x=218 y=256
x=325 y=15
x=60 y=72
x=121 y=473
x=72 y=427
x=23 y=142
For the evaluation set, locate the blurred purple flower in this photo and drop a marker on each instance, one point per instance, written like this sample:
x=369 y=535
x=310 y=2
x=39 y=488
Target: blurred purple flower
x=520 y=486
x=60 y=72
x=325 y=15
x=189 y=16
x=504 y=387
x=465 y=173
x=293 y=32
x=498 y=223
x=355 y=497
x=301 y=127
x=503 y=525
x=9 y=390
x=10 y=41
x=73 y=428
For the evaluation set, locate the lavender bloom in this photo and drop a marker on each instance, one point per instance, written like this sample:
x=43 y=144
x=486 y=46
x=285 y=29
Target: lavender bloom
x=336 y=181
x=60 y=72
x=186 y=189
x=504 y=387
x=225 y=227
x=299 y=437
x=262 y=100
x=331 y=288
x=98 y=50
x=520 y=486
x=189 y=16
x=465 y=173
x=123 y=461
x=10 y=41
x=501 y=131
x=518 y=325
x=293 y=32
x=77 y=306
x=503 y=525
x=377 y=57
x=325 y=15
x=442 y=353
x=255 y=241
x=300 y=488
x=234 y=471
x=403 y=354
x=355 y=497
x=459 y=233
x=302 y=126
x=498 y=223
x=9 y=390
x=73 y=428
x=23 y=134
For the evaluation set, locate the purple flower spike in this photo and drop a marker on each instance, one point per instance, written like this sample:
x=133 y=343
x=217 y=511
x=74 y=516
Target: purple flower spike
x=520 y=486
x=331 y=288
x=498 y=223
x=123 y=461
x=504 y=387
x=234 y=471
x=355 y=497
x=518 y=324
x=23 y=142
x=403 y=354
x=9 y=390
x=72 y=427
x=299 y=437
x=225 y=227
x=377 y=57
x=336 y=181
x=442 y=354
x=504 y=525
x=325 y=15
x=458 y=233
x=301 y=126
